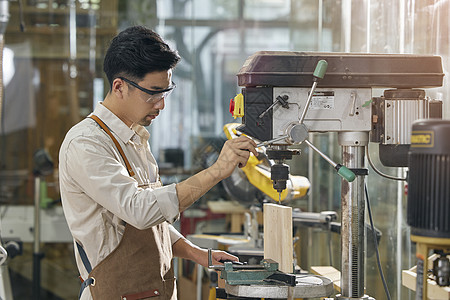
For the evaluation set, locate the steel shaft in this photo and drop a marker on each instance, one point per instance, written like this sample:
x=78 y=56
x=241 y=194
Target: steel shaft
x=352 y=218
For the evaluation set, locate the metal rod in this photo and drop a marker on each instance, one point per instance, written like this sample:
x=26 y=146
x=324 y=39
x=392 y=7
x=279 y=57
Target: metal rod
x=313 y=88
x=272 y=141
x=199 y=281
x=321 y=153
x=210 y=265
x=265 y=112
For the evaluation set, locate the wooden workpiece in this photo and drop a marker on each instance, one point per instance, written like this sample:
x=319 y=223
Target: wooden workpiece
x=433 y=290
x=278 y=243
x=330 y=273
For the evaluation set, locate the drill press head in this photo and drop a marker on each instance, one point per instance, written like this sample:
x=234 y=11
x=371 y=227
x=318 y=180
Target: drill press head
x=276 y=85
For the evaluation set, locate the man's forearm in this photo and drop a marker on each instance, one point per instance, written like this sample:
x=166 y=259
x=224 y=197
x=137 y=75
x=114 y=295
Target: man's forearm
x=234 y=153
x=183 y=248
x=191 y=189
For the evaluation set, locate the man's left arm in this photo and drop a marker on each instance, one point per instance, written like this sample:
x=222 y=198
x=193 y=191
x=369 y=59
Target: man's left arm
x=185 y=249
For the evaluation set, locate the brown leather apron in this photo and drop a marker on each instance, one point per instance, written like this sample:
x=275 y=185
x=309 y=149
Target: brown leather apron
x=141 y=265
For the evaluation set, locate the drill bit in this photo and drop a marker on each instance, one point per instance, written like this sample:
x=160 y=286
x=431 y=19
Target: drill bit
x=279 y=197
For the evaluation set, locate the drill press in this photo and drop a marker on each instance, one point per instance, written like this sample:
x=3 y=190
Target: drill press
x=280 y=109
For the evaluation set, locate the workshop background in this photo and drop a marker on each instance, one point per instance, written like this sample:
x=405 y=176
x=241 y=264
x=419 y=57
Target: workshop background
x=52 y=62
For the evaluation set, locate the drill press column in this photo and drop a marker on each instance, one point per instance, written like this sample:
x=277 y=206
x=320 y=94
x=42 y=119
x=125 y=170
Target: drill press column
x=352 y=217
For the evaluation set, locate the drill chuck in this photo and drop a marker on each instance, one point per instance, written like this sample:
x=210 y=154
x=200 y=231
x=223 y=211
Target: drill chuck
x=279 y=176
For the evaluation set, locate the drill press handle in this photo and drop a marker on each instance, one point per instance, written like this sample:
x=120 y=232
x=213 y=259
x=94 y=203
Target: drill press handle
x=345 y=172
x=320 y=70
x=300 y=132
x=342 y=171
x=319 y=73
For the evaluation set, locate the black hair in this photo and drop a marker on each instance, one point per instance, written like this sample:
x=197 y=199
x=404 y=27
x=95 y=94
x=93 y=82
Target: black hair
x=137 y=51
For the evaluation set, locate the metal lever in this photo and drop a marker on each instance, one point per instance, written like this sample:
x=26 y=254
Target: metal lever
x=280 y=99
x=272 y=141
x=210 y=265
x=301 y=131
x=237 y=264
x=319 y=72
x=343 y=171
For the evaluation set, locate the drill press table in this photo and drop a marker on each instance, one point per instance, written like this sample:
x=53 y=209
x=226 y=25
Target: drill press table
x=307 y=286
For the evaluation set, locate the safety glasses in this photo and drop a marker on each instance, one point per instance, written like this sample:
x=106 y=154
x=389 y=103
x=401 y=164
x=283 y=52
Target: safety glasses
x=154 y=95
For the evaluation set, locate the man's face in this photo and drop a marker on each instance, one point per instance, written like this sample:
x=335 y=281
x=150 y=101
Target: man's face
x=148 y=96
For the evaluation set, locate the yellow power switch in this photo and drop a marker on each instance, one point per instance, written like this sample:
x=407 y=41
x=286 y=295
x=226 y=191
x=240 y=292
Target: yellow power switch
x=237 y=106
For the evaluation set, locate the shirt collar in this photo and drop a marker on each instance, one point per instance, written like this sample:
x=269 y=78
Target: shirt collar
x=141 y=131
x=116 y=125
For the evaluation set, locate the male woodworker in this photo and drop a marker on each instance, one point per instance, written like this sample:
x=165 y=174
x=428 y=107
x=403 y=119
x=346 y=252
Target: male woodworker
x=118 y=212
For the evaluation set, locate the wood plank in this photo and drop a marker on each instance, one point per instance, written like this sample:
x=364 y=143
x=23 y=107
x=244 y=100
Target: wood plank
x=433 y=290
x=329 y=272
x=278 y=236
x=226 y=207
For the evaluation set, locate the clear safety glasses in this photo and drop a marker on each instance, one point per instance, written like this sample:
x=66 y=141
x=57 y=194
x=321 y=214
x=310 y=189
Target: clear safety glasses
x=155 y=95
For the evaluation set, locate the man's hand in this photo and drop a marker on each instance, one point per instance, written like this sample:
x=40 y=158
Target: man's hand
x=235 y=152
x=217 y=258
x=185 y=249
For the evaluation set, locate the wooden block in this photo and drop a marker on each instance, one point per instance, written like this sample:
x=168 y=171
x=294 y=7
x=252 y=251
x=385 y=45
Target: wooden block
x=330 y=273
x=278 y=236
x=433 y=291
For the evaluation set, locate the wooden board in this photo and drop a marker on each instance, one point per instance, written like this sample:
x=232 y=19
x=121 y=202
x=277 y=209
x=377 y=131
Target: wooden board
x=433 y=290
x=330 y=273
x=226 y=207
x=278 y=243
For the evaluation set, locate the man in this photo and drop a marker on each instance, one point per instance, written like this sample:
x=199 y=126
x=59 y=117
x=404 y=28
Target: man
x=115 y=206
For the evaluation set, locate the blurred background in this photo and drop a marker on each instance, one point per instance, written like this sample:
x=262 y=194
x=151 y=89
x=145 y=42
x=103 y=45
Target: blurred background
x=52 y=64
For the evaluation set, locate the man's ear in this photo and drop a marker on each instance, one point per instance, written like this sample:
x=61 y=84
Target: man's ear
x=118 y=87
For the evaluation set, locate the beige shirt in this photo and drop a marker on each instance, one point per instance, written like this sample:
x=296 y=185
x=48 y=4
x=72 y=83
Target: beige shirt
x=99 y=196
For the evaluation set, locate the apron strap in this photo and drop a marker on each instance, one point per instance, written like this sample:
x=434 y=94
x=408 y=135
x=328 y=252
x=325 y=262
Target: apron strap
x=84 y=258
x=106 y=129
x=88 y=267
x=82 y=253
x=85 y=283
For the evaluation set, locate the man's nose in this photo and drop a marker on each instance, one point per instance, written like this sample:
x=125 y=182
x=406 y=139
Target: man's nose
x=160 y=103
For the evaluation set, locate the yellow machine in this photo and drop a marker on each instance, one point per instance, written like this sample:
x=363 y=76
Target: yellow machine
x=257 y=172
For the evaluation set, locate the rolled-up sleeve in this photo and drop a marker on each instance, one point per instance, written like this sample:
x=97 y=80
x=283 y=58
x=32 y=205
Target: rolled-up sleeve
x=175 y=235
x=167 y=199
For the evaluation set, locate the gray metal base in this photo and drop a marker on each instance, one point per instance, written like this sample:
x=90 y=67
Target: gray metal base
x=365 y=297
x=308 y=286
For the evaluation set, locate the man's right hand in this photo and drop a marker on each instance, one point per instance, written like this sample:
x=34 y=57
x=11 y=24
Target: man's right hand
x=235 y=152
